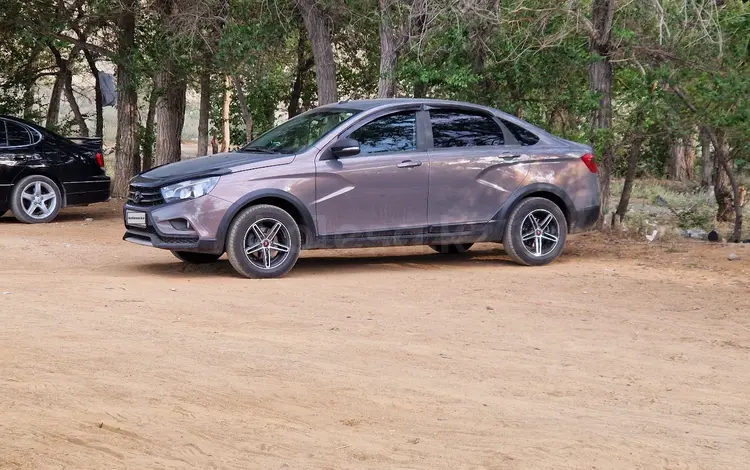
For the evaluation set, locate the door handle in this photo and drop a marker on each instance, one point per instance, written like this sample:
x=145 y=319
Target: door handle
x=506 y=156
x=409 y=164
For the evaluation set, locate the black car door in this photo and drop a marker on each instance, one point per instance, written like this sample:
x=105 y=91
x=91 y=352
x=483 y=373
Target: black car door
x=17 y=149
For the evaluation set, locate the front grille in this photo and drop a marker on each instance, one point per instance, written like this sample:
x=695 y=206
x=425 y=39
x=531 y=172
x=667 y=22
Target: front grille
x=142 y=231
x=141 y=196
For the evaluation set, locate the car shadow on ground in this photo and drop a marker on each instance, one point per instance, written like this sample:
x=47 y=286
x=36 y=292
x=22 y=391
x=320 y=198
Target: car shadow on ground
x=74 y=214
x=323 y=264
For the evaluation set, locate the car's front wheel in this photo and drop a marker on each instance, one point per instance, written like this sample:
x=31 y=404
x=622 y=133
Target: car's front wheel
x=196 y=258
x=535 y=233
x=452 y=249
x=263 y=242
x=36 y=199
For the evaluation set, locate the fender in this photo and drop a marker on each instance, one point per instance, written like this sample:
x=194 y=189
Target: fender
x=248 y=199
x=501 y=217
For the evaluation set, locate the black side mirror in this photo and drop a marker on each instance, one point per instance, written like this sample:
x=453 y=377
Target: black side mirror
x=345 y=148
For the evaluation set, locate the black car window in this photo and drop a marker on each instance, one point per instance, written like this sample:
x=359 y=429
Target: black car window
x=17 y=134
x=392 y=133
x=464 y=129
x=3 y=140
x=523 y=136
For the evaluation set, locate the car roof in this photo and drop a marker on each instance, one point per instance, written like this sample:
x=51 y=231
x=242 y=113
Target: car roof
x=368 y=104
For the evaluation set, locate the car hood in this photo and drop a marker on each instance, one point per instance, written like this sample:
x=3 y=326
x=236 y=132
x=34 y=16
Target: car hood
x=213 y=165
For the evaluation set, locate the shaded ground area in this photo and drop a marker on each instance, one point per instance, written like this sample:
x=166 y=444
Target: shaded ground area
x=620 y=355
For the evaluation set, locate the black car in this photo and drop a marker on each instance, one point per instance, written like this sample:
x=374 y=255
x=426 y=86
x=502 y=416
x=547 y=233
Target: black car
x=42 y=172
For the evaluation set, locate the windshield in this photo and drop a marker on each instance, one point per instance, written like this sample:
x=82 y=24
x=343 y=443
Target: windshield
x=301 y=131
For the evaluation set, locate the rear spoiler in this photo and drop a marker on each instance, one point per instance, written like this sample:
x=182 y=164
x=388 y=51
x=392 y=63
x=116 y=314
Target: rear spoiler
x=92 y=144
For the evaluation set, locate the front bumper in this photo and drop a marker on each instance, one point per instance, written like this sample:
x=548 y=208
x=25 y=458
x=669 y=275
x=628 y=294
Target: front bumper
x=203 y=216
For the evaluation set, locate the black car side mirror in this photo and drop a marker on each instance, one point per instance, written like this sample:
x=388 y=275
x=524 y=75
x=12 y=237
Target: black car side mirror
x=345 y=148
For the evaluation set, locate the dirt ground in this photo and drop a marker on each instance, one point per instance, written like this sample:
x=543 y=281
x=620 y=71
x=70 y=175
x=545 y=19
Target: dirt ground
x=620 y=355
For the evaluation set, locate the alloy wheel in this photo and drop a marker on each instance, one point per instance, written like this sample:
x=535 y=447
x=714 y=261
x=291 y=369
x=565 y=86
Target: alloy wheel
x=267 y=243
x=540 y=232
x=38 y=200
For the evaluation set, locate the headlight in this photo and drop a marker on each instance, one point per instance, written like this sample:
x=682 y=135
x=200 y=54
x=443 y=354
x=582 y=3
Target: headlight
x=188 y=189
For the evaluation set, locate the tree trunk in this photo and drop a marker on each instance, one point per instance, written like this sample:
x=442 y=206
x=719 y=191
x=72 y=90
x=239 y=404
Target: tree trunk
x=30 y=85
x=388 y=52
x=225 y=124
x=170 y=115
x=126 y=157
x=322 y=48
x=722 y=156
x=633 y=155
x=727 y=200
x=28 y=100
x=688 y=144
x=78 y=117
x=676 y=165
x=203 y=113
x=247 y=116
x=53 y=110
x=420 y=90
x=303 y=65
x=150 y=138
x=721 y=181
x=707 y=164
x=600 y=82
x=97 y=92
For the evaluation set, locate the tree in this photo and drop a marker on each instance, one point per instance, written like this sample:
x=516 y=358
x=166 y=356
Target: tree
x=318 y=30
x=126 y=146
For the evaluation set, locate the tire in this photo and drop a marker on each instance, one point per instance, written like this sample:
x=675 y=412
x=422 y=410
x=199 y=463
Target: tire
x=452 y=249
x=251 y=251
x=196 y=258
x=36 y=199
x=520 y=225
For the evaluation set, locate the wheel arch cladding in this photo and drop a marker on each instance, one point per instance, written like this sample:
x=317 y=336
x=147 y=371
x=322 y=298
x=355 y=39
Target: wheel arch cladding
x=278 y=198
x=546 y=191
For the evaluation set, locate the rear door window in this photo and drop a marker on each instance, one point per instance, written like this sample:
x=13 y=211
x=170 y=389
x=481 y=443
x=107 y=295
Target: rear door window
x=464 y=129
x=17 y=135
x=523 y=136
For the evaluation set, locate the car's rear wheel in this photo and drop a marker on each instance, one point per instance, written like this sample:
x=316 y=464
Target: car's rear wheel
x=263 y=242
x=536 y=232
x=36 y=199
x=196 y=258
x=452 y=249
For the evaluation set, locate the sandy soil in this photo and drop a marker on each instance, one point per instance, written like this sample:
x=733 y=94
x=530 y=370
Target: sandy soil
x=620 y=355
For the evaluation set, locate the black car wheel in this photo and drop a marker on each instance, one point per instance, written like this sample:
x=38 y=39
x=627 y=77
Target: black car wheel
x=453 y=249
x=263 y=242
x=535 y=233
x=196 y=258
x=36 y=200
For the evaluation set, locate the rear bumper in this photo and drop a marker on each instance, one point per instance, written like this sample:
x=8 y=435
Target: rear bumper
x=87 y=192
x=585 y=219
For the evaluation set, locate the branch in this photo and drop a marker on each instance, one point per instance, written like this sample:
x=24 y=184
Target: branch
x=85 y=45
x=685 y=100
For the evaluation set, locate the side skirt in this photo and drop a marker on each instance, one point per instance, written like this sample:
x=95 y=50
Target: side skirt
x=429 y=235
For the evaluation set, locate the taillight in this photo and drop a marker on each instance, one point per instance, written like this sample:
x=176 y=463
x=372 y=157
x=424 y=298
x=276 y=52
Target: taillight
x=100 y=159
x=588 y=160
